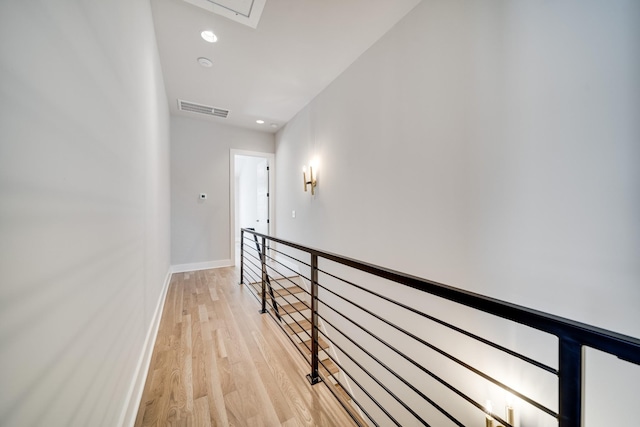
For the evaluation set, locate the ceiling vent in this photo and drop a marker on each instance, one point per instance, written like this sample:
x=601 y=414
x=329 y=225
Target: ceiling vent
x=202 y=109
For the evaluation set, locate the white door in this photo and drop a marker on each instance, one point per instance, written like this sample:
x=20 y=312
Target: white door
x=262 y=197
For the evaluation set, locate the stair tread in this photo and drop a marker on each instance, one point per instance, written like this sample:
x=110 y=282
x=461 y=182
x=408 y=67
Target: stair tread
x=294 y=308
x=306 y=345
x=283 y=291
x=279 y=280
x=294 y=289
x=278 y=291
x=342 y=392
x=301 y=326
x=328 y=365
x=284 y=287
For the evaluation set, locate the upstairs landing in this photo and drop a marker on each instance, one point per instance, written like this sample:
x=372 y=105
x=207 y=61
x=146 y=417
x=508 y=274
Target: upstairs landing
x=218 y=362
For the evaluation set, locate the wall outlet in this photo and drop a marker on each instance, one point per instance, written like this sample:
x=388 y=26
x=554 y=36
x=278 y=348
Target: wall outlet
x=293 y=214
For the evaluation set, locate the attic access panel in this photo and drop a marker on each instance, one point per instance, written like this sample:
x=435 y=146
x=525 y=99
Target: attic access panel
x=245 y=12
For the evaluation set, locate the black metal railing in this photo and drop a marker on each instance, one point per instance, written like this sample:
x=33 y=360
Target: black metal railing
x=390 y=362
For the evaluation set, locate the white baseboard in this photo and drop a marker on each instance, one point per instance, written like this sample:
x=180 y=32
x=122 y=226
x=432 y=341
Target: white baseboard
x=128 y=417
x=181 y=268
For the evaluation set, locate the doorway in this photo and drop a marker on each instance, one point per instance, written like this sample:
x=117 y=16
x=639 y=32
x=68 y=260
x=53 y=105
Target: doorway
x=252 y=194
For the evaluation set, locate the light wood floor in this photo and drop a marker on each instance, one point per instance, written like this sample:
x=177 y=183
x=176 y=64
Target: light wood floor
x=218 y=362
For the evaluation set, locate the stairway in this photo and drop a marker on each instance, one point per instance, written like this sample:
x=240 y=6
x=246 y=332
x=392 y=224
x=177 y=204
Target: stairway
x=293 y=302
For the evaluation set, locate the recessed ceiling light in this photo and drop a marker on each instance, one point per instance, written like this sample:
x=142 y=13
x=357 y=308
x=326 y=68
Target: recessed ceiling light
x=209 y=36
x=260 y=122
x=205 y=62
x=274 y=125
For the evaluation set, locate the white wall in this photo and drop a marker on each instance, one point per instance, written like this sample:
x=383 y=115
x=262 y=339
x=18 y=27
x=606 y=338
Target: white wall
x=492 y=146
x=84 y=208
x=200 y=164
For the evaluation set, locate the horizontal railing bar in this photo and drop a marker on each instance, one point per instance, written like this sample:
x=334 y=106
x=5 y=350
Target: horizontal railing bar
x=620 y=345
x=354 y=401
x=425 y=370
x=293 y=295
x=250 y=270
x=255 y=276
x=434 y=348
x=288 y=293
x=251 y=276
x=290 y=315
x=346 y=372
x=307 y=333
x=377 y=381
x=254 y=256
x=291 y=257
x=257 y=259
x=248 y=260
x=284 y=313
x=288 y=336
x=288 y=268
x=400 y=401
x=307 y=307
x=342 y=368
x=441 y=352
x=450 y=326
x=249 y=241
x=349 y=410
x=249 y=247
x=255 y=295
x=395 y=374
x=278 y=279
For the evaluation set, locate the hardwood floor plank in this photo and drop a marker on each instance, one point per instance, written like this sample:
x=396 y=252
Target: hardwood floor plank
x=235 y=408
x=201 y=415
x=187 y=361
x=219 y=343
x=198 y=366
x=213 y=293
x=178 y=304
x=291 y=395
x=291 y=422
x=214 y=389
x=218 y=362
x=253 y=384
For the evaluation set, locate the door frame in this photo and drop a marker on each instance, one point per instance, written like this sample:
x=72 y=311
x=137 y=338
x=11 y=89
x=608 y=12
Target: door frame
x=232 y=194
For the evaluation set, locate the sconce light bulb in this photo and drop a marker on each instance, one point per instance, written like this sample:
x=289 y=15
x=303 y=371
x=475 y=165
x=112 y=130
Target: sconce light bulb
x=509 y=399
x=489 y=418
x=510 y=416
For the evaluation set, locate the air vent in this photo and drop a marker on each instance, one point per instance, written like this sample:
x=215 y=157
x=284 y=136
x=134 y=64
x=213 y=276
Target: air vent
x=202 y=109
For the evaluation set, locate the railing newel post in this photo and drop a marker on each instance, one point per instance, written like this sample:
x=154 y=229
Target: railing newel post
x=569 y=383
x=314 y=376
x=241 y=256
x=263 y=258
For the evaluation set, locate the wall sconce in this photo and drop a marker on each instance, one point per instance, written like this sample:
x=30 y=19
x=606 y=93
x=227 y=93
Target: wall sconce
x=312 y=179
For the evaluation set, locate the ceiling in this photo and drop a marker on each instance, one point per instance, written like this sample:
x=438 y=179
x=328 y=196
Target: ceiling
x=269 y=72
